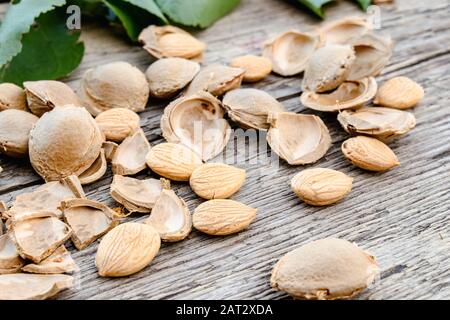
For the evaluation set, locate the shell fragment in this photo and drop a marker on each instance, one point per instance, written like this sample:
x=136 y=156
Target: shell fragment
x=298 y=138
x=350 y=94
x=88 y=219
x=197 y=122
x=137 y=195
x=170 y=217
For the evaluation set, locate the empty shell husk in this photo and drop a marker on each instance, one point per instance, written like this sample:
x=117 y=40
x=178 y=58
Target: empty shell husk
x=378 y=122
x=298 y=138
x=197 y=122
x=95 y=171
x=110 y=149
x=46 y=198
x=372 y=55
x=342 y=30
x=350 y=94
x=170 y=217
x=3 y=209
x=38 y=236
x=88 y=219
x=10 y=260
x=137 y=195
x=290 y=51
x=129 y=157
x=58 y=262
x=22 y=286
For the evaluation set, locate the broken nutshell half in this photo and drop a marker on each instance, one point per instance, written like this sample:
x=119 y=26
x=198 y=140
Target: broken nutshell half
x=60 y=261
x=369 y=154
x=22 y=286
x=127 y=249
x=216 y=180
x=45 y=95
x=250 y=107
x=290 y=51
x=222 y=217
x=328 y=67
x=372 y=55
x=110 y=149
x=168 y=76
x=46 y=198
x=39 y=235
x=10 y=260
x=170 y=217
x=216 y=79
x=12 y=97
x=197 y=122
x=170 y=41
x=129 y=157
x=342 y=30
x=88 y=219
x=325 y=269
x=15 y=127
x=378 y=122
x=350 y=94
x=137 y=195
x=95 y=171
x=298 y=138
x=321 y=186
x=114 y=85
x=3 y=215
x=63 y=142
x=173 y=161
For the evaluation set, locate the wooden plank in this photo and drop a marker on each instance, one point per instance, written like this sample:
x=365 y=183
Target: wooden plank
x=401 y=216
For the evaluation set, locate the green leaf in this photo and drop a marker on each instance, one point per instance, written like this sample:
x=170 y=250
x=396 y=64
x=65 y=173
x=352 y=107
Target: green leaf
x=364 y=4
x=196 y=13
x=49 y=51
x=150 y=6
x=315 y=6
x=18 y=20
x=135 y=15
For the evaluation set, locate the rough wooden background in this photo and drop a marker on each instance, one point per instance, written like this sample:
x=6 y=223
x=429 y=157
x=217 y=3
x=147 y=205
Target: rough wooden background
x=401 y=216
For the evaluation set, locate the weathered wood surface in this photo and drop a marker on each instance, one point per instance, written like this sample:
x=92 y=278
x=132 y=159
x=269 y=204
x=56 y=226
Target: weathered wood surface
x=401 y=216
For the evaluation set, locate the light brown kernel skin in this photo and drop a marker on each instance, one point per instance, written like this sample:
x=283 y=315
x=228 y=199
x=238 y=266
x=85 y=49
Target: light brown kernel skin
x=256 y=68
x=399 y=93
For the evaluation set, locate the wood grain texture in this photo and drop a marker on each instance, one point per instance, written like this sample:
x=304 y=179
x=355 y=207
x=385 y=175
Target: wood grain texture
x=401 y=216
